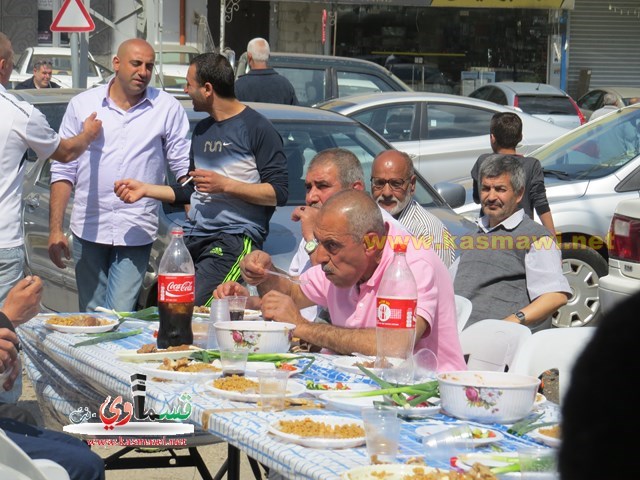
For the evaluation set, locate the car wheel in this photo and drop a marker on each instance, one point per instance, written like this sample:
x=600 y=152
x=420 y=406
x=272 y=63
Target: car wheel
x=583 y=267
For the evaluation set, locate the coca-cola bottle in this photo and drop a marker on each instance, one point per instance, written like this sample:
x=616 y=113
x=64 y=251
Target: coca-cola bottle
x=176 y=293
x=396 y=319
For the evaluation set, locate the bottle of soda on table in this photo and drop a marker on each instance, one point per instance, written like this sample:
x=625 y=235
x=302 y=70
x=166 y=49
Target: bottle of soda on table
x=176 y=293
x=396 y=318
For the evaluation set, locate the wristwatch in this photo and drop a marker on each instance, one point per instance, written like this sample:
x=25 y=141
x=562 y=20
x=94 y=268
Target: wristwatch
x=520 y=316
x=311 y=246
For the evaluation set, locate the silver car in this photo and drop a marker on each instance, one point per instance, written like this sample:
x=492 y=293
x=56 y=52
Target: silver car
x=543 y=101
x=623 y=279
x=305 y=131
x=444 y=134
x=588 y=172
x=594 y=99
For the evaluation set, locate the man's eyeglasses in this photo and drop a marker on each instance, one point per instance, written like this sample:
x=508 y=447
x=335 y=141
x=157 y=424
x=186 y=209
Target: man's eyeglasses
x=395 y=183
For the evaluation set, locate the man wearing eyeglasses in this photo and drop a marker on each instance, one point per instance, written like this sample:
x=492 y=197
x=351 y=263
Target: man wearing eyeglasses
x=41 y=77
x=393 y=184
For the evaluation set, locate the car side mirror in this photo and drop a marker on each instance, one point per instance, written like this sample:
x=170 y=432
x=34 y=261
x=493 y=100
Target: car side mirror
x=454 y=194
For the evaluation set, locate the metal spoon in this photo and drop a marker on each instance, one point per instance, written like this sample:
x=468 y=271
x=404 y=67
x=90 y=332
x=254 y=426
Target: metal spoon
x=288 y=277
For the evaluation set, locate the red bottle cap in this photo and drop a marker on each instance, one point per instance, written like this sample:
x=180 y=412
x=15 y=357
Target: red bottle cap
x=399 y=247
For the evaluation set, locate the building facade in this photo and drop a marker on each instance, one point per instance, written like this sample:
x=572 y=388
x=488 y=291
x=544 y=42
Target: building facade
x=448 y=46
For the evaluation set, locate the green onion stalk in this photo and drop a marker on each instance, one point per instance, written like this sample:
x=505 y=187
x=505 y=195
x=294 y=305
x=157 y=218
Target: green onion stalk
x=400 y=394
x=208 y=356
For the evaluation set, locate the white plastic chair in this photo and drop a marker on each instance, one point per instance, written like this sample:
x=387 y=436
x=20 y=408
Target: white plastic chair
x=463 y=311
x=552 y=348
x=16 y=464
x=492 y=344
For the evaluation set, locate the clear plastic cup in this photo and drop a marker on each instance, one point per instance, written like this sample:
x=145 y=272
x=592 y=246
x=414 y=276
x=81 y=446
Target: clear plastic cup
x=234 y=361
x=443 y=445
x=538 y=463
x=237 y=305
x=273 y=388
x=382 y=430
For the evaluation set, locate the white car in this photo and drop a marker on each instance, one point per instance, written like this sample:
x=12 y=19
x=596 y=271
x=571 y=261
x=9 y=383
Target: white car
x=444 y=134
x=588 y=171
x=623 y=279
x=60 y=58
x=174 y=60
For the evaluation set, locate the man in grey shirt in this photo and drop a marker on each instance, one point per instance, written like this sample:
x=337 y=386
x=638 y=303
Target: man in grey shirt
x=510 y=267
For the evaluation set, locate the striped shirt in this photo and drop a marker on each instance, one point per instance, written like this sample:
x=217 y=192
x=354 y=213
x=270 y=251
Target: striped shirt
x=421 y=223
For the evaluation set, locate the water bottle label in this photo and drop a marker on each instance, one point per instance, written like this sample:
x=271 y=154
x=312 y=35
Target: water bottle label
x=176 y=288
x=396 y=312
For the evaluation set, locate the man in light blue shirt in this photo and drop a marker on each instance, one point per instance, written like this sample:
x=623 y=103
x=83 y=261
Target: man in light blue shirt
x=144 y=131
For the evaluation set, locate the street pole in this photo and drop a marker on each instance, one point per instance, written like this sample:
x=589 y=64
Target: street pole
x=223 y=6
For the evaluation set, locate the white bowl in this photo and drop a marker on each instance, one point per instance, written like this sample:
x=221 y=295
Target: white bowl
x=487 y=397
x=256 y=335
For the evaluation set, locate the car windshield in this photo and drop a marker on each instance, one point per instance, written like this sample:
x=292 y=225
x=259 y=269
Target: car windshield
x=303 y=140
x=177 y=58
x=595 y=150
x=540 y=105
x=61 y=64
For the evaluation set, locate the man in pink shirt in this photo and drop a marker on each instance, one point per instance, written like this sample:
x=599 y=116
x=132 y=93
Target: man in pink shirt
x=353 y=252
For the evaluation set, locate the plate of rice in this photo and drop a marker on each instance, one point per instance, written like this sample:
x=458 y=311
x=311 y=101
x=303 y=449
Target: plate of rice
x=80 y=323
x=247 y=389
x=319 y=431
x=180 y=370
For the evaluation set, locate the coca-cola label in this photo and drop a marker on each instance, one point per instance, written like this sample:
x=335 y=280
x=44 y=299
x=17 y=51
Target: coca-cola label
x=176 y=288
x=396 y=312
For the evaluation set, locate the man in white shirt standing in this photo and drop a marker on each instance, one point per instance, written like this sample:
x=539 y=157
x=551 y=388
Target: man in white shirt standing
x=23 y=126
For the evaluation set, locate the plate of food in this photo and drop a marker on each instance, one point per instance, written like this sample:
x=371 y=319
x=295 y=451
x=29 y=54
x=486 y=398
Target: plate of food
x=247 y=389
x=80 y=323
x=318 y=388
x=180 y=370
x=320 y=431
x=150 y=352
x=481 y=435
x=251 y=368
x=390 y=471
x=549 y=435
x=465 y=461
x=350 y=364
x=343 y=401
x=204 y=312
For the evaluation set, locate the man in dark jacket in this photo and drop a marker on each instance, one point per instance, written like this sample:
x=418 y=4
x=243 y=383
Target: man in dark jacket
x=261 y=83
x=41 y=77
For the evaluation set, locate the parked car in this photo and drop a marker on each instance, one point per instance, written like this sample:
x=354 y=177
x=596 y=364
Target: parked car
x=588 y=171
x=317 y=78
x=60 y=58
x=444 y=134
x=538 y=99
x=423 y=77
x=174 y=59
x=623 y=279
x=594 y=99
x=305 y=131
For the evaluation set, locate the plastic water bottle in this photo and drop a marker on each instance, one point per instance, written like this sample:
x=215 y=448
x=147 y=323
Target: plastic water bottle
x=396 y=319
x=176 y=293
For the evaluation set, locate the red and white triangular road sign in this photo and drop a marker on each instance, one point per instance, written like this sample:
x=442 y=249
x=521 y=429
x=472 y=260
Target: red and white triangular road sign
x=73 y=17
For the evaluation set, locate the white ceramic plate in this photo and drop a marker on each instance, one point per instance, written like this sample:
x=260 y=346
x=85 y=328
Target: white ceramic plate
x=319 y=442
x=77 y=329
x=348 y=364
x=342 y=401
x=251 y=369
x=427 y=430
x=466 y=460
x=540 y=399
x=330 y=387
x=392 y=471
x=134 y=356
x=294 y=389
x=152 y=370
x=546 y=439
